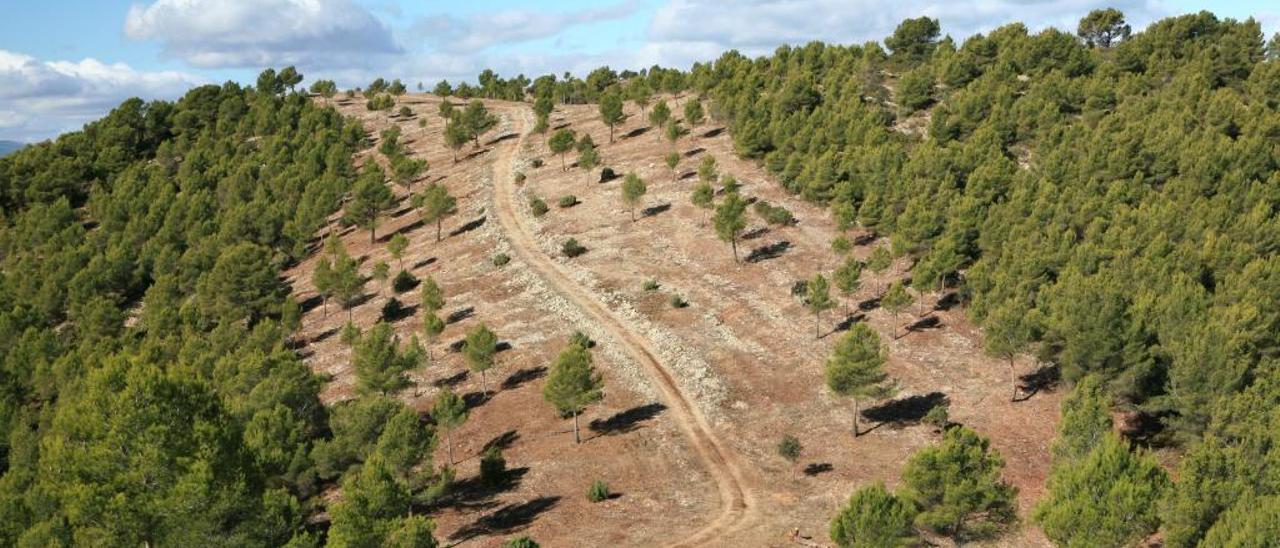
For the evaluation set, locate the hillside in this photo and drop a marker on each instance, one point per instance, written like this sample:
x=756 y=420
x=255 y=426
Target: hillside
x=1017 y=291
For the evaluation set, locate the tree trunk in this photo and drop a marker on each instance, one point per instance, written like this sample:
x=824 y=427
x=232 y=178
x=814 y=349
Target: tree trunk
x=450 y=437
x=576 y=437
x=610 y=133
x=817 y=328
x=439 y=222
x=324 y=300
x=1013 y=380
x=563 y=167
x=484 y=380
x=372 y=229
x=856 y=433
x=734 y=242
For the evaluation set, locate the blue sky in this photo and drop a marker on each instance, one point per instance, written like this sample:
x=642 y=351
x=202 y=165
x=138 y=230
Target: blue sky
x=65 y=62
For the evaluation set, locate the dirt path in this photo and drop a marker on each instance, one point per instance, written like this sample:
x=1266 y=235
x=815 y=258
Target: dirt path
x=736 y=501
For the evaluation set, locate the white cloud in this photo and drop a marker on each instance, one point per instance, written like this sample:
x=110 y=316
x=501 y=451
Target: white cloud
x=260 y=33
x=43 y=98
x=477 y=32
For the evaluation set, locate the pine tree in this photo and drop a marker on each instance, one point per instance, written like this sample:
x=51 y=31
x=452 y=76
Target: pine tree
x=1007 y=335
x=450 y=412
x=693 y=114
x=434 y=204
x=659 y=116
x=896 y=300
x=848 y=279
x=479 y=349
x=707 y=172
x=611 y=111
x=1102 y=498
x=379 y=361
x=588 y=157
x=957 y=485
x=370 y=199
x=818 y=300
x=477 y=120
x=633 y=189
x=432 y=295
x=397 y=246
x=672 y=160
x=1085 y=421
x=573 y=384
x=730 y=220
x=874 y=518
x=855 y=369
x=455 y=134
x=432 y=327
x=703 y=197
x=560 y=143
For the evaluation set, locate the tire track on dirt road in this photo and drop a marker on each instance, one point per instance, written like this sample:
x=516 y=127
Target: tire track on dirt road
x=736 y=500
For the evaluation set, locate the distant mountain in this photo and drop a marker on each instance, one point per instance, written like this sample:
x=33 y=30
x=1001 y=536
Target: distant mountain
x=9 y=146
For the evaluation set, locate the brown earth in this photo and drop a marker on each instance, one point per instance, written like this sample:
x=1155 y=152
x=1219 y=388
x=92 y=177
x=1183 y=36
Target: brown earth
x=735 y=370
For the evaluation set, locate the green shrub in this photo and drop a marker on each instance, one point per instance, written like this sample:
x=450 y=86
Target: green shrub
x=598 y=491
x=493 y=467
x=405 y=112
x=774 y=215
x=678 y=302
x=607 y=174
x=520 y=542
x=571 y=248
x=538 y=206
x=536 y=162
x=501 y=259
x=568 y=200
x=789 y=448
x=520 y=177
x=350 y=334
x=937 y=417
x=404 y=281
x=651 y=285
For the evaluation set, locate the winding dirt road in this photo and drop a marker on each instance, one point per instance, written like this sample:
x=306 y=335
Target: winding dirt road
x=737 y=502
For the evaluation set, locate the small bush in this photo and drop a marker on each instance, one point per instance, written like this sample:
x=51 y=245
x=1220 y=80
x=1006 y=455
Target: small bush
x=774 y=215
x=493 y=467
x=651 y=285
x=520 y=177
x=568 y=200
x=404 y=281
x=572 y=248
x=678 y=302
x=536 y=162
x=937 y=417
x=501 y=259
x=789 y=448
x=538 y=206
x=350 y=333
x=405 y=112
x=607 y=174
x=520 y=542
x=392 y=309
x=598 y=491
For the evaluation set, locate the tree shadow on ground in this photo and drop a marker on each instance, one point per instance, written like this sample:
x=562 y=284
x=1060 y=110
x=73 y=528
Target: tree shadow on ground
x=925 y=323
x=771 y=251
x=475 y=153
x=451 y=381
x=869 y=304
x=654 y=210
x=847 y=323
x=422 y=263
x=688 y=175
x=507 y=519
x=947 y=301
x=816 y=468
x=474 y=493
x=714 y=132
x=406 y=230
x=502 y=441
x=399 y=313
x=1046 y=378
x=904 y=411
x=755 y=233
x=501 y=138
x=472 y=225
x=460 y=314
x=476 y=399
x=626 y=421
x=635 y=132
x=694 y=152
x=324 y=335
x=522 y=376
x=311 y=303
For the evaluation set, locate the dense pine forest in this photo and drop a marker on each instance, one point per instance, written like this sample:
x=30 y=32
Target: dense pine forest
x=1106 y=201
